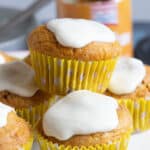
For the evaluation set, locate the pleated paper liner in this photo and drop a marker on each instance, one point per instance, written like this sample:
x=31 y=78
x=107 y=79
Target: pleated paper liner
x=140 y=111
x=28 y=145
x=120 y=144
x=60 y=76
x=34 y=114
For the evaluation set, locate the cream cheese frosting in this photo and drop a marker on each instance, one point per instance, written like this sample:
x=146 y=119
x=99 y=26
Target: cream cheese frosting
x=80 y=113
x=127 y=76
x=77 y=33
x=18 y=78
x=4 y=111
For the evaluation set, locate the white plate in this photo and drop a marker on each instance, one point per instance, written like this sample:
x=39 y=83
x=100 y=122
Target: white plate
x=139 y=141
x=19 y=54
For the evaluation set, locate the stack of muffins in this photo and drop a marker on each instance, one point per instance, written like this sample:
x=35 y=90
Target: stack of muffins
x=75 y=59
x=84 y=95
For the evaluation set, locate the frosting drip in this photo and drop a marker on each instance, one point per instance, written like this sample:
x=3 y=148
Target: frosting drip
x=77 y=33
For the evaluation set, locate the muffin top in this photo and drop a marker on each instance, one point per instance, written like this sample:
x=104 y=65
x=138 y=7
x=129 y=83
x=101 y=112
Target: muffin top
x=85 y=118
x=142 y=90
x=74 y=39
x=127 y=76
x=14 y=131
x=20 y=91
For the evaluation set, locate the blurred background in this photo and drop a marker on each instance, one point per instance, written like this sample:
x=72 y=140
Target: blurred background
x=119 y=15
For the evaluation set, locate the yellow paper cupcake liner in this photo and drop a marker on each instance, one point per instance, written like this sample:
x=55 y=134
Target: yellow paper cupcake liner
x=60 y=76
x=120 y=144
x=34 y=114
x=140 y=111
x=28 y=145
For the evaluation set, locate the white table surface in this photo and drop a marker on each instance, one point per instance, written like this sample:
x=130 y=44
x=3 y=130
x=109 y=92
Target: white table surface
x=139 y=141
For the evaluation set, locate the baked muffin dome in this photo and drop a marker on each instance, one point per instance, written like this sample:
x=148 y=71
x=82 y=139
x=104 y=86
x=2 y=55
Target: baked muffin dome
x=18 y=101
x=44 y=41
x=142 y=91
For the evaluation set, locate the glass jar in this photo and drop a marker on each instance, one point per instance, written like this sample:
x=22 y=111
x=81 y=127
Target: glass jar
x=114 y=13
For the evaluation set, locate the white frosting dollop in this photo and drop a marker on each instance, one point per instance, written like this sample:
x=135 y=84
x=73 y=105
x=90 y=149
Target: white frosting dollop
x=77 y=33
x=18 y=78
x=2 y=60
x=80 y=113
x=4 y=110
x=127 y=76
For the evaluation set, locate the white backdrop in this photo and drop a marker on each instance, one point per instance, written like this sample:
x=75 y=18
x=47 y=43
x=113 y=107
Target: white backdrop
x=44 y=14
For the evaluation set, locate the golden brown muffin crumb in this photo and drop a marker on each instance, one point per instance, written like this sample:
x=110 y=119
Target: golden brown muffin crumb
x=15 y=134
x=17 y=101
x=43 y=40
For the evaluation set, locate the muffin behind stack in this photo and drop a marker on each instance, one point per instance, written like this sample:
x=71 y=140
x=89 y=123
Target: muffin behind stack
x=18 y=90
x=130 y=84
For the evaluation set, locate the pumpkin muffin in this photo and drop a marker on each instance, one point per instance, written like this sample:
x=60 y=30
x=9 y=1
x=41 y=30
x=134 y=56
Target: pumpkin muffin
x=15 y=133
x=137 y=101
x=18 y=89
x=67 y=56
x=76 y=132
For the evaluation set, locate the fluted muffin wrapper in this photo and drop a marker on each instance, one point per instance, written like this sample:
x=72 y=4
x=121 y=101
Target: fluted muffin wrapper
x=140 y=112
x=28 y=145
x=120 y=144
x=60 y=76
x=34 y=113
